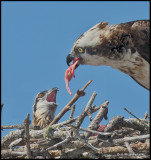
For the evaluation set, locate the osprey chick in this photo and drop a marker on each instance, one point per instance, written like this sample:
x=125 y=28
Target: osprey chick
x=123 y=46
x=44 y=107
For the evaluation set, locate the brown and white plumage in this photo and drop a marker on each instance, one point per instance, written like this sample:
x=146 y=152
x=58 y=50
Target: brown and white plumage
x=44 y=107
x=123 y=46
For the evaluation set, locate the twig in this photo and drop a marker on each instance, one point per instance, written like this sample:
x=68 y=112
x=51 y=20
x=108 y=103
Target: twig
x=130 y=139
x=8 y=153
x=76 y=118
x=85 y=111
x=60 y=143
x=27 y=138
x=19 y=126
x=102 y=113
x=129 y=147
x=16 y=142
x=131 y=114
x=114 y=124
x=72 y=112
x=82 y=90
x=65 y=122
x=96 y=132
x=97 y=150
x=133 y=119
x=135 y=116
x=11 y=136
x=78 y=94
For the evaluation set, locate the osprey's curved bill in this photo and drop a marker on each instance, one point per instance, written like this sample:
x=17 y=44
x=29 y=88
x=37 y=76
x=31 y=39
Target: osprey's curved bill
x=123 y=46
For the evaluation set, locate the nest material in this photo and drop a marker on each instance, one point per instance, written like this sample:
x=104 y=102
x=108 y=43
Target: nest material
x=121 y=138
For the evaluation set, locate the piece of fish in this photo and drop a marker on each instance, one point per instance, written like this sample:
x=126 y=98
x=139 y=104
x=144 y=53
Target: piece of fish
x=70 y=73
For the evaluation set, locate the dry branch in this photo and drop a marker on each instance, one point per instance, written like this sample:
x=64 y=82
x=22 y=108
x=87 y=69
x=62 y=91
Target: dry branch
x=27 y=138
x=96 y=132
x=135 y=117
x=78 y=94
x=130 y=139
x=115 y=123
x=19 y=126
x=72 y=112
x=121 y=141
x=129 y=148
x=60 y=143
x=85 y=111
x=102 y=113
x=97 y=150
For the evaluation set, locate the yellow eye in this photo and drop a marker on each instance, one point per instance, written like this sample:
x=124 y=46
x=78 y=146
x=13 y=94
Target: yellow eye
x=80 y=50
x=41 y=95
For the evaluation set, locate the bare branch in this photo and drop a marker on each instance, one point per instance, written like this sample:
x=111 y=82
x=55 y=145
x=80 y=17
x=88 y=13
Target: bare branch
x=135 y=117
x=129 y=148
x=19 y=126
x=102 y=113
x=96 y=132
x=72 y=112
x=121 y=141
x=76 y=118
x=114 y=123
x=97 y=150
x=84 y=113
x=131 y=139
x=8 y=153
x=27 y=138
x=78 y=94
x=59 y=144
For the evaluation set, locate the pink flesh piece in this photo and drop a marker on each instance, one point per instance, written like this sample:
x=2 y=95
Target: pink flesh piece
x=73 y=68
x=67 y=86
x=70 y=73
x=100 y=129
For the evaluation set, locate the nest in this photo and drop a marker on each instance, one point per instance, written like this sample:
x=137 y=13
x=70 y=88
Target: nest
x=121 y=138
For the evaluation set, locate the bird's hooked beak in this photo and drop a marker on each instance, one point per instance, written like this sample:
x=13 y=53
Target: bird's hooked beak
x=73 y=58
x=69 y=59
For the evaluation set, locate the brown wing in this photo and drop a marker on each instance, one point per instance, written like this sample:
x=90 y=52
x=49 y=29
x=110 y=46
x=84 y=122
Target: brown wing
x=138 y=82
x=140 y=35
x=140 y=32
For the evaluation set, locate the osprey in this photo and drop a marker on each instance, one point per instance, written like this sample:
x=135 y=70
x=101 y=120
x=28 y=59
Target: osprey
x=44 y=107
x=124 y=47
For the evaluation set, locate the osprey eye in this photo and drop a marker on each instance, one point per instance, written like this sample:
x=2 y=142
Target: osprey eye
x=41 y=95
x=80 y=50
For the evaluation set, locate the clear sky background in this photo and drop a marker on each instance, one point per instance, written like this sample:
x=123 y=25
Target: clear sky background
x=36 y=38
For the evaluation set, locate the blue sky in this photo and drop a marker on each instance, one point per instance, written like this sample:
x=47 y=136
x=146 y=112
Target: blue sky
x=36 y=38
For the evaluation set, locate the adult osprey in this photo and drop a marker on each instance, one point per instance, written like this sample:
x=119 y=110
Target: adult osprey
x=44 y=107
x=123 y=46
